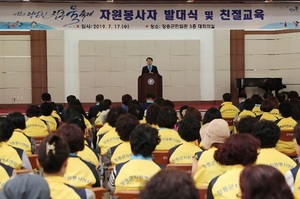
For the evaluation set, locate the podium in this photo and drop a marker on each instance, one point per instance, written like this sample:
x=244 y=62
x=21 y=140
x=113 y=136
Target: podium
x=149 y=83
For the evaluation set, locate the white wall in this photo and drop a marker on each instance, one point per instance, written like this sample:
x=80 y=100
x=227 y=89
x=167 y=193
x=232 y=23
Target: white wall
x=207 y=53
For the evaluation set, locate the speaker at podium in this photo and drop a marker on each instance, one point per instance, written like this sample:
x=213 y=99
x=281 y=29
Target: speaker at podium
x=149 y=83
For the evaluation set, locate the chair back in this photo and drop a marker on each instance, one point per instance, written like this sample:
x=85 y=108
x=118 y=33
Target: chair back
x=286 y=135
x=32 y=159
x=202 y=192
x=161 y=157
x=186 y=167
x=127 y=195
x=99 y=192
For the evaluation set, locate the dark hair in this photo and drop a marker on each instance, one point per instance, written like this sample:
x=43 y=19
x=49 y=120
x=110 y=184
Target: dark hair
x=242 y=95
x=159 y=100
x=281 y=97
x=170 y=184
x=274 y=101
x=263 y=181
x=168 y=103
x=211 y=114
x=167 y=117
x=46 y=97
x=297 y=133
x=113 y=115
x=125 y=125
x=71 y=99
x=76 y=104
x=17 y=119
x=227 y=97
x=46 y=109
x=143 y=140
x=286 y=109
x=126 y=99
x=33 y=111
x=53 y=160
x=267 y=132
x=296 y=109
x=53 y=105
x=77 y=119
x=99 y=98
x=246 y=124
x=192 y=111
x=149 y=58
x=182 y=108
x=106 y=104
x=238 y=149
x=249 y=104
x=266 y=106
x=6 y=129
x=293 y=95
x=152 y=113
x=150 y=96
x=136 y=110
x=266 y=95
x=188 y=128
x=257 y=98
x=73 y=136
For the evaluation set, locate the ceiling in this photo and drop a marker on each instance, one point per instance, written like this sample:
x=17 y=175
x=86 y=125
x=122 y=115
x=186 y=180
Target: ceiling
x=162 y=1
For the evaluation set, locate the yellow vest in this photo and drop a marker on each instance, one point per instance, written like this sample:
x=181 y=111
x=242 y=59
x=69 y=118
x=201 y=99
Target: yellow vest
x=59 y=189
x=21 y=141
x=11 y=156
x=286 y=124
x=169 y=139
x=245 y=113
x=108 y=140
x=51 y=122
x=257 y=110
x=5 y=173
x=296 y=176
x=120 y=153
x=228 y=110
x=89 y=155
x=35 y=127
x=183 y=153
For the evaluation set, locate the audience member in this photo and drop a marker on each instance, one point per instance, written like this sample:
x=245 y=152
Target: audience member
x=168 y=184
x=152 y=114
x=35 y=127
x=268 y=133
x=247 y=112
x=266 y=107
x=266 y=95
x=77 y=106
x=211 y=114
x=26 y=186
x=94 y=110
x=125 y=100
x=101 y=117
x=239 y=151
x=262 y=181
x=111 y=137
x=149 y=100
x=53 y=161
x=46 y=97
x=227 y=109
x=137 y=111
x=70 y=100
x=188 y=130
x=242 y=97
x=18 y=138
x=205 y=167
x=122 y=152
x=258 y=100
x=182 y=111
x=46 y=110
x=281 y=97
x=296 y=109
x=79 y=173
x=13 y=157
x=275 y=104
x=6 y=172
x=168 y=103
x=287 y=123
x=54 y=113
x=246 y=124
x=167 y=118
x=140 y=168
x=192 y=111
x=293 y=95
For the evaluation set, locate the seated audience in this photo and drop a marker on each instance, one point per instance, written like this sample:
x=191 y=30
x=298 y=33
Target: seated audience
x=125 y=101
x=287 y=123
x=292 y=176
x=111 y=137
x=247 y=111
x=79 y=173
x=101 y=116
x=242 y=97
x=149 y=100
x=246 y=124
x=268 y=133
x=275 y=104
x=296 y=109
x=11 y=156
x=18 y=138
x=266 y=107
x=53 y=160
x=205 y=167
x=293 y=95
x=140 y=168
x=159 y=186
x=26 y=186
x=182 y=111
x=94 y=110
x=46 y=116
x=122 y=152
x=35 y=127
x=239 y=151
x=152 y=114
x=262 y=181
x=167 y=118
x=6 y=172
x=188 y=130
x=137 y=111
x=227 y=109
x=257 y=100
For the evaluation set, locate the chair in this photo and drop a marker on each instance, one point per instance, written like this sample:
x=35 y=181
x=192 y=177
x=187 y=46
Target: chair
x=99 y=192
x=38 y=140
x=32 y=160
x=230 y=121
x=161 y=157
x=186 y=167
x=127 y=195
x=202 y=192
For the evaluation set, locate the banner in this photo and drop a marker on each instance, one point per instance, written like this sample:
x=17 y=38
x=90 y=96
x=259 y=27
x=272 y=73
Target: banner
x=48 y=16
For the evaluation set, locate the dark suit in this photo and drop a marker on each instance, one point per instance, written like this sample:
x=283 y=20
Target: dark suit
x=146 y=70
x=94 y=110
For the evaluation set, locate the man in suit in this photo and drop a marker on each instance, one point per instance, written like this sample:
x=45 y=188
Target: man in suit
x=149 y=68
x=94 y=110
